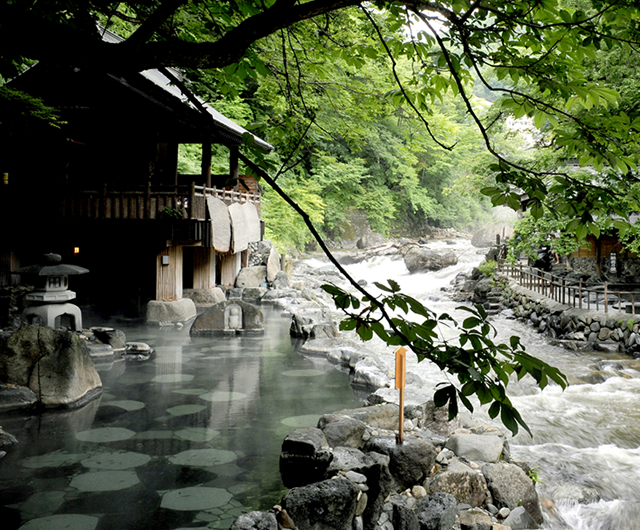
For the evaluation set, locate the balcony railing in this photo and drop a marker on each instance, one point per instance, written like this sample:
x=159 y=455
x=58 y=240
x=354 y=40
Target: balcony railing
x=159 y=202
x=571 y=293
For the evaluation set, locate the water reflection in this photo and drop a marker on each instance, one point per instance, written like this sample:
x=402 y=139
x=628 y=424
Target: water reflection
x=190 y=437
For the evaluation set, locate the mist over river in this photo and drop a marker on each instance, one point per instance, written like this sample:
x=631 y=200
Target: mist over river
x=588 y=435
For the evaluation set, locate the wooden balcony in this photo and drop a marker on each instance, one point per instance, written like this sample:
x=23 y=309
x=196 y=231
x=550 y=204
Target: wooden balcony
x=157 y=202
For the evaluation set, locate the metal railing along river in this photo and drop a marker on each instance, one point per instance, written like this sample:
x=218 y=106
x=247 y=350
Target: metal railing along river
x=571 y=293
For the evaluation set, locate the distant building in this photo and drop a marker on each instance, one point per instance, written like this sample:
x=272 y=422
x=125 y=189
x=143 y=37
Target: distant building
x=103 y=190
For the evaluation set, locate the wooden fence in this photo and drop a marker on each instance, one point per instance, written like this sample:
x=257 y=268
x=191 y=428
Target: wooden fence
x=178 y=202
x=571 y=293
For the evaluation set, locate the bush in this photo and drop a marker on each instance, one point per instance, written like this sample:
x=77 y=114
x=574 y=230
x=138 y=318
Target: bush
x=488 y=267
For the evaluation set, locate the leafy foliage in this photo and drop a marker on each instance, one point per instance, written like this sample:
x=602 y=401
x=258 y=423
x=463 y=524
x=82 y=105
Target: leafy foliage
x=481 y=366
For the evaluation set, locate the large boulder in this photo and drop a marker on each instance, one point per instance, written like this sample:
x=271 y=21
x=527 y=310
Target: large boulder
x=159 y=311
x=54 y=364
x=252 y=277
x=344 y=431
x=313 y=323
x=305 y=457
x=327 y=505
x=467 y=485
x=410 y=462
x=476 y=447
x=421 y=259
x=205 y=297
x=486 y=237
x=229 y=317
x=511 y=487
x=437 y=512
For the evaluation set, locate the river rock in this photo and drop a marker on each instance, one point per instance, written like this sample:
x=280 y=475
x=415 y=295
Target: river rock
x=15 y=397
x=437 y=512
x=375 y=467
x=380 y=416
x=404 y=518
x=7 y=439
x=159 y=311
x=344 y=431
x=371 y=239
x=281 y=280
x=205 y=297
x=410 y=462
x=421 y=259
x=255 y=521
x=219 y=319
x=476 y=447
x=273 y=264
x=252 y=277
x=474 y=519
x=304 y=458
x=54 y=364
x=511 y=487
x=312 y=324
x=467 y=485
x=113 y=337
x=520 y=519
x=327 y=505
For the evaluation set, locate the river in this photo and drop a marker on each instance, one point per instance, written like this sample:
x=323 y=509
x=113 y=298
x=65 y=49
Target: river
x=588 y=435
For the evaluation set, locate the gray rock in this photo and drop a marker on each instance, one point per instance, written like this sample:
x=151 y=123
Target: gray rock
x=54 y=364
x=305 y=457
x=113 y=337
x=520 y=519
x=252 y=277
x=404 y=518
x=437 y=512
x=7 y=439
x=205 y=297
x=253 y=294
x=605 y=334
x=312 y=324
x=475 y=447
x=410 y=462
x=419 y=259
x=330 y=505
x=273 y=264
x=215 y=319
x=255 y=521
x=467 y=485
x=375 y=467
x=16 y=397
x=576 y=493
x=379 y=416
x=345 y=431
x=475 y=519
x=511 y=487
x=281 y=280
x=175 y=311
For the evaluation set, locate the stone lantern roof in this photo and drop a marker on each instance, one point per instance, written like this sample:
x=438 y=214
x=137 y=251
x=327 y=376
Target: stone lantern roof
x=51 y=266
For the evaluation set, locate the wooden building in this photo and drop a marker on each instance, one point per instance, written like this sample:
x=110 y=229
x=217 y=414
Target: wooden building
x=104 y=192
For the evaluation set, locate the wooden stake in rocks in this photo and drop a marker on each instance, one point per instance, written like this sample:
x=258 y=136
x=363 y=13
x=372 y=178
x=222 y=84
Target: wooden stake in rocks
x=401 y=380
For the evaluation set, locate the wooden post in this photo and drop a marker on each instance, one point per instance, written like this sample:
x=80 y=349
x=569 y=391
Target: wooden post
x=580 y=295
x=563 y=290
x=192 y=201
x=206 y=163
x=401 y=379
x=606 y=298
x=234 y=170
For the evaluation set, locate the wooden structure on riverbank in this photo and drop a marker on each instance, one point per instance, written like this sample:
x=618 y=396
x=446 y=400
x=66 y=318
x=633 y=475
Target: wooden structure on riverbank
x=103 y=190
x=572 y=293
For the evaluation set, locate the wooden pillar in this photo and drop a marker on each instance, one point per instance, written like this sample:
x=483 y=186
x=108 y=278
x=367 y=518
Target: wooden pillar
x=204 y=268
x=234 y=170
x=229 y=268
x=169 y=274
x=206 y=163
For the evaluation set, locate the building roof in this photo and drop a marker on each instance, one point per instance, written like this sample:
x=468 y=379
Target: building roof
x=163 y=80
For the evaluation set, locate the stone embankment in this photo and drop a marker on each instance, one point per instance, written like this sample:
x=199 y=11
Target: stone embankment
x=573 y=328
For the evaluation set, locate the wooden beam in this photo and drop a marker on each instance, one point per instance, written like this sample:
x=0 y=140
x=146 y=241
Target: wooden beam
x=206 y=163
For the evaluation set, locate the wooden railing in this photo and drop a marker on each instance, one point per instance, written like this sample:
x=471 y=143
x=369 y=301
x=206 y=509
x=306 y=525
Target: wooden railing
x=159 y=202
x=571 y=293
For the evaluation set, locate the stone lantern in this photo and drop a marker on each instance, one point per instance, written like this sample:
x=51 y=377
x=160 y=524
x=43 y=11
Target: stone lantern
x=49 y=301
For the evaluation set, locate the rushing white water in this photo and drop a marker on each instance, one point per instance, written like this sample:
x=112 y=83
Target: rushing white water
x=586 y=436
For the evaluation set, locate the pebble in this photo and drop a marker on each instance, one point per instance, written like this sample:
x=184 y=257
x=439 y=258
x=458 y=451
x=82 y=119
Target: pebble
x=491 y=509
x=503 y=513
x=358 y=478
x=418 y=492
x=384 y=517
